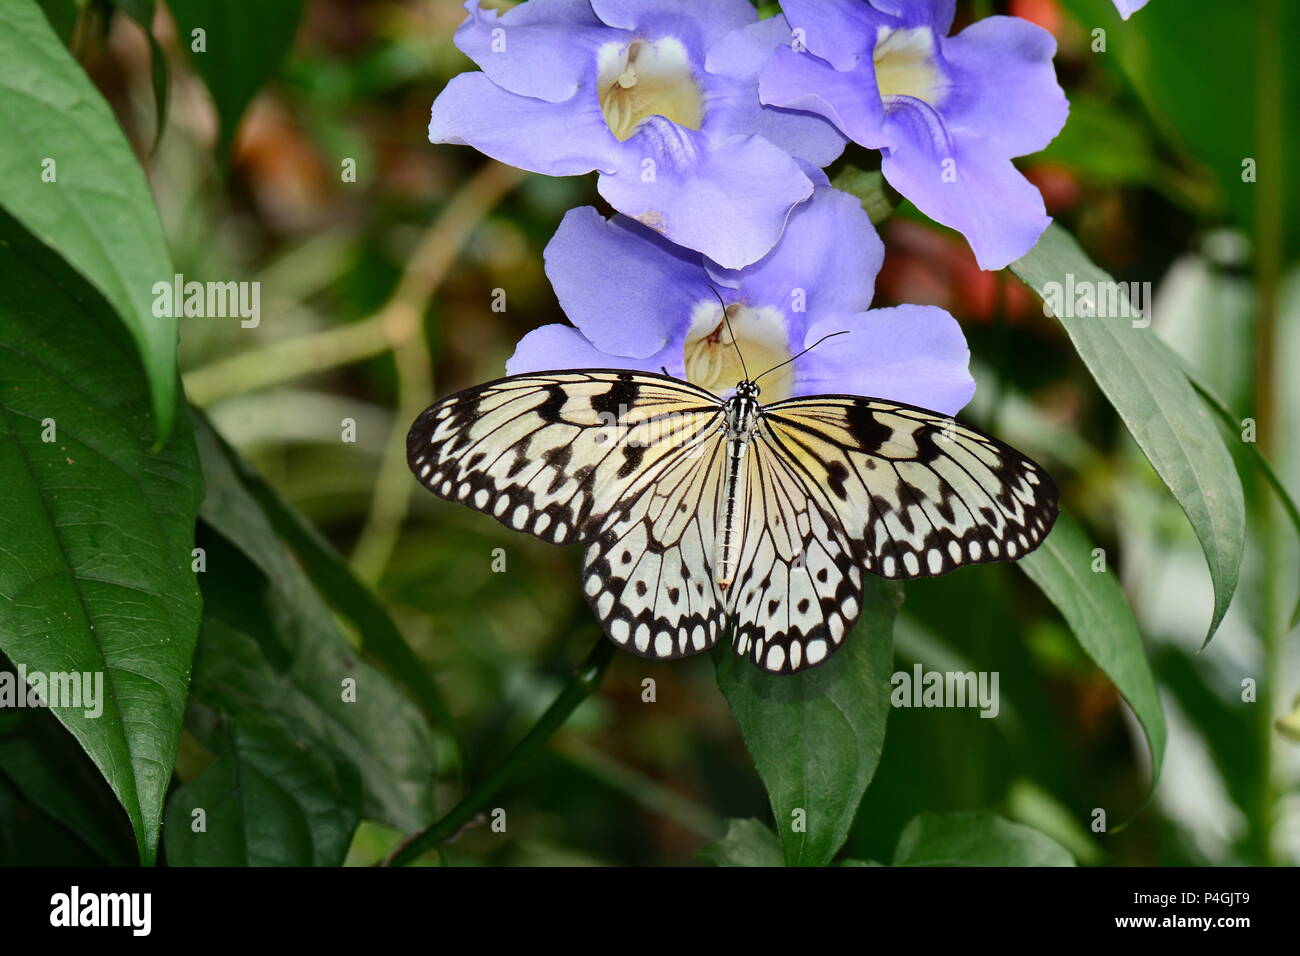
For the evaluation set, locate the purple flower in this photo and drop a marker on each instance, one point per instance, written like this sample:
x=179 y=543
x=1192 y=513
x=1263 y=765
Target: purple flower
x=659 y=96
x=637 y=301
x=947 y=112
x=1127 y=8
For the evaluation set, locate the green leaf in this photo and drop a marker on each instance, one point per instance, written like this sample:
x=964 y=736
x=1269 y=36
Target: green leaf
x=62 y=15
x=381 y=733
x=277 y=794
x=975 y=839
x=1094 y=606
x=142 y=12
x=1143 y=379
x=97 y=530
x=352 y=599
x=243 y=45
x=816 y=736
x=27 y=833
x=746 y=843
x=1232 y=423
x=46 y=765
x=98 y=213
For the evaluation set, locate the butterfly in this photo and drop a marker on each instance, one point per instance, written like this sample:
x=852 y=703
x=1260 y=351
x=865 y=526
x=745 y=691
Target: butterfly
x=705 y=517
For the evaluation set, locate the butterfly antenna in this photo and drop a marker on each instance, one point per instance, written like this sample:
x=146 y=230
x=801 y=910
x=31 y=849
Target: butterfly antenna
x=726 y=318
x=804 y=352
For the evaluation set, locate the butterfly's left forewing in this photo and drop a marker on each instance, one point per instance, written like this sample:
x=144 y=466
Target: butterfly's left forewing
x=555 y=453
x=624 y=462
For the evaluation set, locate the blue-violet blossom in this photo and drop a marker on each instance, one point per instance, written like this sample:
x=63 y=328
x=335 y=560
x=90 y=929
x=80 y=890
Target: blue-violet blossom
x=1127 y=8
x=947 y=112
x=665 y=312
x=659 y=96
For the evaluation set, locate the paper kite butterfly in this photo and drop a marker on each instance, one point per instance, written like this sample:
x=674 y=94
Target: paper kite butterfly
x=705 y=517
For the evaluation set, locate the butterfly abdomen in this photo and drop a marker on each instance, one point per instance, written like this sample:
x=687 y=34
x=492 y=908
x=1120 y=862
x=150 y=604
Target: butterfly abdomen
x=742 y=414
x=733 y=493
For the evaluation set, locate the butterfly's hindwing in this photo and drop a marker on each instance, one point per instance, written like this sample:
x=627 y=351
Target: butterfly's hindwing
x=919 y=493
x=649 y=573
x=799 y=589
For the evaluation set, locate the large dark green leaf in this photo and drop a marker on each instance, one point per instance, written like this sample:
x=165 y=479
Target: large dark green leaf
x=27 y=833
x=816 y=736
x=46 y=765
x=278 y=793
x=975 y=839
x=244 y=44
x=97 y=530
x=382 y=734
x=1144 y=381
x=351 y=598
x=98 y=213
x=1094 y=606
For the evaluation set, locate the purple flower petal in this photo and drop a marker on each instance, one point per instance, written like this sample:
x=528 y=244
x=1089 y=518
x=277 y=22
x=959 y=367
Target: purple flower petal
x=948 y=113
x=964 y=181
x=935 y=14
x=733 y=107
x=627 y=289
x=826 y=261
x=641 y=303
x=841 y=32
x=474 y=111
x=557 y=346
x=1127 y=8
x=727 y=199
x=543 y=48
x=847 y=98
x=713 y=19
x=915 y=354
x=1004 y=85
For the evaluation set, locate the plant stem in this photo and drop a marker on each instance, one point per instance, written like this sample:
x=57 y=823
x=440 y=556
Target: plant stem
x=645 y=791
x=584 y=681
x=1268 y=268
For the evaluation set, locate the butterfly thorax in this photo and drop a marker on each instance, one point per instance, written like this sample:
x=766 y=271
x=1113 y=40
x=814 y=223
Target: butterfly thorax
x=743 y=413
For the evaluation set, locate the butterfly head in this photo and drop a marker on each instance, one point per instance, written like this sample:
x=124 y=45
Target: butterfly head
x=747 y=390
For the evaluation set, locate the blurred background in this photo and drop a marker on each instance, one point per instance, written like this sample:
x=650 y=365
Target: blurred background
x=377 y=297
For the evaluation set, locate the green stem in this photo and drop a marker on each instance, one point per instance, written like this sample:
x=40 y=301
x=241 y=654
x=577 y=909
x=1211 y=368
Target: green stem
x=1268 y=268
x=645 y=791
x=584 y=681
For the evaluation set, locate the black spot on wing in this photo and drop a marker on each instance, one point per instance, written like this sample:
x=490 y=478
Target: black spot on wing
x=621 y=396
x=549 y=410
x=867 y=430
x=836 y=475
x=632 y=455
